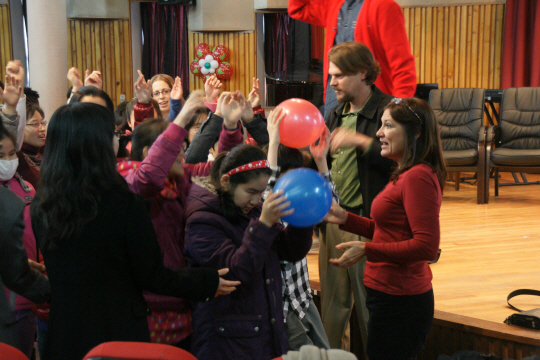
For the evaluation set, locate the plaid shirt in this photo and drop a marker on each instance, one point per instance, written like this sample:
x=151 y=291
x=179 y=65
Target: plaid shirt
x=294 y=275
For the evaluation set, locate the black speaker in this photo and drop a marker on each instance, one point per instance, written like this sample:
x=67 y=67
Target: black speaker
x=177 y=2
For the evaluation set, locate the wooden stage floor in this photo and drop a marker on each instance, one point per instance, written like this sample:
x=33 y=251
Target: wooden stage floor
x=487 y=251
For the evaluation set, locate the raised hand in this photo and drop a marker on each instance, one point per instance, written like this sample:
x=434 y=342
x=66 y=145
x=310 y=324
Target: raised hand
x=15 y=69
x=74 y=77
x=348 y=138
x=354 y=251
x=320 y=151
x=274 y=208
x=177 y=92
x=219 y=102
x=212 y=88
x=254 y=96
x=247 y=114
x=11 y=94
x=193 y=102
x=232 y=108
x=93 y=79
x=142 y=89
x=272 y=125
x=225 y=287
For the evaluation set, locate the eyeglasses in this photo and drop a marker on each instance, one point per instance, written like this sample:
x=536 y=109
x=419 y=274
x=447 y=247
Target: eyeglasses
x=398 y=101
x=38 y=125
x=165 y=92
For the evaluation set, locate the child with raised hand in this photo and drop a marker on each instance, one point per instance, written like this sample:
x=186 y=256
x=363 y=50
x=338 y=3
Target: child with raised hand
x=22 y=320
x=303 y=323
x=156 y=172
x=230 y=227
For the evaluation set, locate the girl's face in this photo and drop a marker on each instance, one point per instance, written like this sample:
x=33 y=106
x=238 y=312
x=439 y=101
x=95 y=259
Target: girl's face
x=177 y=170
x=7 y=150
x=196 y=126
x=246 y=196
x=36 y=131
x=161 y=92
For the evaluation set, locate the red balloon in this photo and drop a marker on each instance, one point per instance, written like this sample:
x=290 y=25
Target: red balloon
x=302 y=125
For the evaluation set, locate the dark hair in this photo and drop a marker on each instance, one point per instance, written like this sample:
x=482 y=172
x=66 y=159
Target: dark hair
x=31 y=108
x=422 y=140
x=78 y=169
x=131 y=106
x=352 y=57
x=240 y=155
x=32 y=97
x=216 y=167
x=5 y=134
x=144 y=135
x=201 y=111
x=92 y=91
x=288 y=158
x=120 y=114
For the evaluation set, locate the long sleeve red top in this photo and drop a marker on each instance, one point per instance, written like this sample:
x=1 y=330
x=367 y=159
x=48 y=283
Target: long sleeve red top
x=380 y=26
x=405 y=233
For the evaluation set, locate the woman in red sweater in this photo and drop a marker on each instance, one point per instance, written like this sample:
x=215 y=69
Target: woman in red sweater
x=405 y=233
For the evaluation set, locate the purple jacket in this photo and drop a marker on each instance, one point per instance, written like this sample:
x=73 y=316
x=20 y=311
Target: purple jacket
x=248 y=324
x=167 y=214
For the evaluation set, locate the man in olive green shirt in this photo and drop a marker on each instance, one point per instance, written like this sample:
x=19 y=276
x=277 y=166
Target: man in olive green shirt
x=360 y=173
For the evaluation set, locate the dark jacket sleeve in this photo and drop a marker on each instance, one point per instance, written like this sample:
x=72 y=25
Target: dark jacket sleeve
x=204 y=139
x=209 y=245
x=294 y=243
x=15 y=272
x=147 y=264
x=258 y=131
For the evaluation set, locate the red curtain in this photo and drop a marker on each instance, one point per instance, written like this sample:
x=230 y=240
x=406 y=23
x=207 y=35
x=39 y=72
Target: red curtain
x=521 y=44
x=165 y=48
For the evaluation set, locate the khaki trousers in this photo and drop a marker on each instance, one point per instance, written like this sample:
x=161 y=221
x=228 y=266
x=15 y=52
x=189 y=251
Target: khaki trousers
x=341 y=288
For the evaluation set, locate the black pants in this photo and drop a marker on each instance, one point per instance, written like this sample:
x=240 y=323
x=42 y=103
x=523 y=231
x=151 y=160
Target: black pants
x=398 y=324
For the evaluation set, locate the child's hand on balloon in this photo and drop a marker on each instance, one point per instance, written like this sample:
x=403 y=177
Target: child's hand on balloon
x=275 y=207
x=272 y=124
x=320 y=150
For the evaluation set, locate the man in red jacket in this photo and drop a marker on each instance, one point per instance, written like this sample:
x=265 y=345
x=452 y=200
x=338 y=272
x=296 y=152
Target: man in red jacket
x=377 y=23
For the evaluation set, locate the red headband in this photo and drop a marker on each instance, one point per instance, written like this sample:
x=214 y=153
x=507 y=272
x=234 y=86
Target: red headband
x=260 y=164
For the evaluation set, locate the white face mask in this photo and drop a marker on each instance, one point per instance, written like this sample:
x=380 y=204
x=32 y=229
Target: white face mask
x=8 y=169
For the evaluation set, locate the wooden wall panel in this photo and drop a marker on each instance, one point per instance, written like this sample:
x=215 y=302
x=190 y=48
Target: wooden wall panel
x=6 y=46
x=242 y=56
x=103 y=45
x=457 y=46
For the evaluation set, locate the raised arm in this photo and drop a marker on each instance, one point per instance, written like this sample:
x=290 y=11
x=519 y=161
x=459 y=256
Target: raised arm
x=10 y=95
x=176 y=99
x=206 y=136
x=15 y=69
x=149 y=179
x=309 y=11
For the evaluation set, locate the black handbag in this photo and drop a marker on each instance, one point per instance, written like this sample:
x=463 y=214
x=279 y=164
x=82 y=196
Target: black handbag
x=529 y=319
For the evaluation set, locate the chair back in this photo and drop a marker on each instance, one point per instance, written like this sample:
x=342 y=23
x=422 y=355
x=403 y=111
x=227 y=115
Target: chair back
x=520 y=119
x=460 y=114
x=11 y=353
x=123 y=350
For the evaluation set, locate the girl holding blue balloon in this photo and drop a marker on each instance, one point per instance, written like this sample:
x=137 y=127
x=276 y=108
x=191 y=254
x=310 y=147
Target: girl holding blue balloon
x=229 y=227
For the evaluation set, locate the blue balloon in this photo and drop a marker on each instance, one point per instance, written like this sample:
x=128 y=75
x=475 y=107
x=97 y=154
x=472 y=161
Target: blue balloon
x=310 y=196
